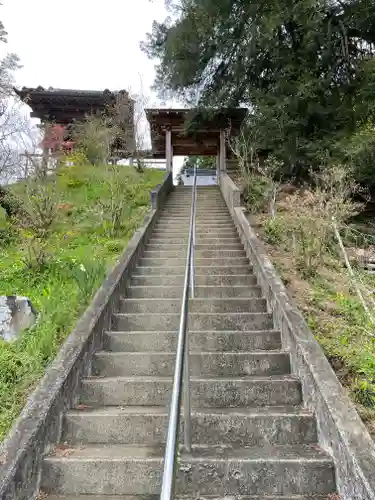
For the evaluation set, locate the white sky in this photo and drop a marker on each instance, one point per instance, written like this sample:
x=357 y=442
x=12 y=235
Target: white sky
x=83 y=44
x=80 y=43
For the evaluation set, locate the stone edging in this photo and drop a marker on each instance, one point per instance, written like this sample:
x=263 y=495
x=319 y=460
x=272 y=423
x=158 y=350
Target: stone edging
x=39 y=426
x=341 y=431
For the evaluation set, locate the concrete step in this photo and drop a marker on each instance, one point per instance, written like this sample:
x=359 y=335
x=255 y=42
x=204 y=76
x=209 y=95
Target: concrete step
x=200 y=212
x=211 y=206
x=207 y=239
x=201 y=195
x=161 y=341
x=215 y=205
x=201 y=270
x=200 y=232
x=224 y=245
x=145 y=425
x=204 y=198
x=217 y=392
x=178 y=195
x=202 y=191
x=218 y=262
x=212 y=233
x=171 y=215
x=222 y=280
x=175 y=292
x=222 y=216
x=177 y=258
x=203 y=254
x=172 y=243
x=201 y=226
x=124 y=469
x=184 y=497
x=185 y=206
x=170 y=212
x=187 y=196
x=178 y=233
x=208 y=305
x=184 y=235
x=185 y=203
x=210 y=216
x=197 y=321
x=201 y=198
x=215 y=364
x=201 y=218
x=169 y=219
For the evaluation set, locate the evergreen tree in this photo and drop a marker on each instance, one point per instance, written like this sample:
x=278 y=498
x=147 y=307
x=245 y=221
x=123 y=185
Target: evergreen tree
x=301 y=66
x=201 y=162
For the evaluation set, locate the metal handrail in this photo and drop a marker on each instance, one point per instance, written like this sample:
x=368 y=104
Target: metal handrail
x=181 y=377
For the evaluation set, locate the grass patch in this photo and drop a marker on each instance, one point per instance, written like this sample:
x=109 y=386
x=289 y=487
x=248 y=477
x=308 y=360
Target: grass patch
x=81 y=250
x=329 y=303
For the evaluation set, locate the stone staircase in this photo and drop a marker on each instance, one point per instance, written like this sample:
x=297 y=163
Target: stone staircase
x=252 y=436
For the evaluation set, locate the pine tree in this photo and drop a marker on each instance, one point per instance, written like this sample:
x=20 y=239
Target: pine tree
x=300 y=66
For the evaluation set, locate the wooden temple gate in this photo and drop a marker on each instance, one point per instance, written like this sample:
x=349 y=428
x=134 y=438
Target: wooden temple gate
x=59 y=109
x=188 y=132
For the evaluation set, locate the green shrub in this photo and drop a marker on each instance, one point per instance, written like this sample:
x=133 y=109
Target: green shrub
x=74 y=183
x=88 y=276
x=360 y=151
x=114 y=246
x=274 y=231
x=71 y=177
x=255 y=190
x=8 y=234
x=76 y=158
x=364 y=393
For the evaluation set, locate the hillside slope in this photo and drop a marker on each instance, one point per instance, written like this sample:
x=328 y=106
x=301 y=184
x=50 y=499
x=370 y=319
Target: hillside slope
x=325 y=293
x=81 y=248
